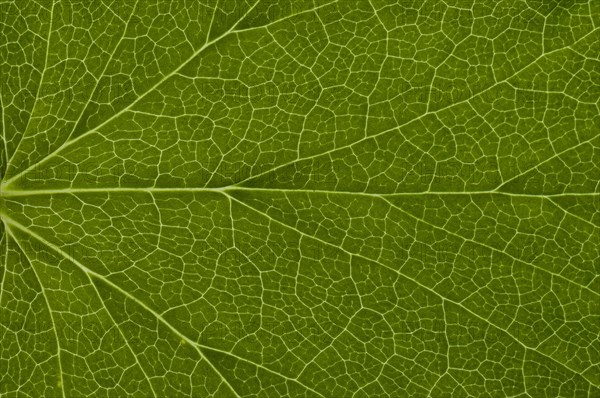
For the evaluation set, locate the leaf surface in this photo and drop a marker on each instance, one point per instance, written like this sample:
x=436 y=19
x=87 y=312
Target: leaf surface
x=317 y=198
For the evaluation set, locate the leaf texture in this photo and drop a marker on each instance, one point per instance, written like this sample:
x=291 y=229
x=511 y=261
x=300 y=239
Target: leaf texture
x=312 y=198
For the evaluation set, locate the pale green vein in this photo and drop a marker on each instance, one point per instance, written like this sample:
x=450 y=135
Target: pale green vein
x=531 y=90
x=107 y=64
x=556 y=155
x=298 y=158
x=397 y=128
x=121 y=333
x=557 y=204
x=262 y=367
x=58 y=349
x=151 y=89
x=127 y=108
x=74 y=191
x=212 y=20
x=91 y=273
x=3 y=242
x=37 y=94
x=3 y=126
x=373 y=196
x=443 y=298
x=196 y=345
x=490 y=248
x=266 y=26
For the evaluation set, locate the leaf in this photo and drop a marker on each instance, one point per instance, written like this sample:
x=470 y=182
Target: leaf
x=324 y=198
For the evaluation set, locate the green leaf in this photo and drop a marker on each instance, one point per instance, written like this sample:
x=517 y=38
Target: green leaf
x=316 y=198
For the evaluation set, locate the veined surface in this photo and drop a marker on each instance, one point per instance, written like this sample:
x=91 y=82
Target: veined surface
x=316 y=198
